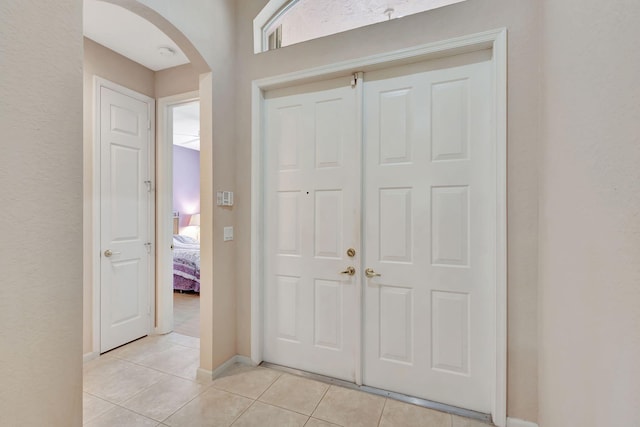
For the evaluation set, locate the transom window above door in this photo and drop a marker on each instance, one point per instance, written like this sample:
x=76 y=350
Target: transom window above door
x=286 y=22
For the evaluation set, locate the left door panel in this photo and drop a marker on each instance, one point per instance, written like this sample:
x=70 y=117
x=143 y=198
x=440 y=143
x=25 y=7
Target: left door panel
x=125 y=235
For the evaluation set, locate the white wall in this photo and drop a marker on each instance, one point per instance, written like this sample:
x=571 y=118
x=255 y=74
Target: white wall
x=590 y=215
x=41 y=227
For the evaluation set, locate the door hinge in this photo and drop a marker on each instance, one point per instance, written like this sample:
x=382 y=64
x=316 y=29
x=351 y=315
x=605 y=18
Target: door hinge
x=354 y=80
x=148 y=124
x=148 y=184
x=148 y=246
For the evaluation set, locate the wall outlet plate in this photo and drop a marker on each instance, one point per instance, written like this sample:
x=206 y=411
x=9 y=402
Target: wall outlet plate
x=228 y=234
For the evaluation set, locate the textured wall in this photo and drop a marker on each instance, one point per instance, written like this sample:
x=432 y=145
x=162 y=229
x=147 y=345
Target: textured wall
x=186 y=183
x=176 y=80
x=590 y=215
x=521 y=17
x=41 y=228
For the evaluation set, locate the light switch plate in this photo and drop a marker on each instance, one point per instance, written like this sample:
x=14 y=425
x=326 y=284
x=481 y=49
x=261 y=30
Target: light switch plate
x=228 y=234
x=224 y=198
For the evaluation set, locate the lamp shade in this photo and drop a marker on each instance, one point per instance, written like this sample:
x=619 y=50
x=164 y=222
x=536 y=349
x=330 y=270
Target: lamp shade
x=195 y=219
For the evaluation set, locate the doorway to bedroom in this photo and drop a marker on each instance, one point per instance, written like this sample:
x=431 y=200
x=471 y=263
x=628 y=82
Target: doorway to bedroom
x=186 y=214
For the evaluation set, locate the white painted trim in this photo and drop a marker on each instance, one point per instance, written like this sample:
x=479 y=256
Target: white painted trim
x=164 y=205
x=262 y=19
x=257 y=213
x=499 y=411
x=203 y=375
x=360 y=317
x=99 y=82
x=242 y=360
x=515 y=422
x=87 y=357
x=494 y=39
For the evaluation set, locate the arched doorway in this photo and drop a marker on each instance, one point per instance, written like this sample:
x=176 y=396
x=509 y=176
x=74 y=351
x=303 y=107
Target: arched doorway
x=162 y=300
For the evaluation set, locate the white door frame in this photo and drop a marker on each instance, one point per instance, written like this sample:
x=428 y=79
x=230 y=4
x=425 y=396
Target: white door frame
x=495 y=40
x=99 y=82
x=164 y=204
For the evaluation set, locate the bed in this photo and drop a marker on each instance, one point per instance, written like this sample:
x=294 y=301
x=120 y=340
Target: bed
x=186 y=263
x=186 y=260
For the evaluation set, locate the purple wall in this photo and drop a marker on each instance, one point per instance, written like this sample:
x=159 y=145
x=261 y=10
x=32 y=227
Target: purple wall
x=186 y=183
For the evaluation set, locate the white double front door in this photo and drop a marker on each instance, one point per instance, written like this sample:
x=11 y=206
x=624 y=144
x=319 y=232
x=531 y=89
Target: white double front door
x=401 y=169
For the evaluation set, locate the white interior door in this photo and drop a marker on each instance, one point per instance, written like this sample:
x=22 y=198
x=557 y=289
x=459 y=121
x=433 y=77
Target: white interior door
x=430 y=234
x=125 y=227
x=312 y=217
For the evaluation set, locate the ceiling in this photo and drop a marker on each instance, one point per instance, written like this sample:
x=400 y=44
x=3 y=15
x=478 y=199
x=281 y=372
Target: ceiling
x=130 y=35
x=186 y=125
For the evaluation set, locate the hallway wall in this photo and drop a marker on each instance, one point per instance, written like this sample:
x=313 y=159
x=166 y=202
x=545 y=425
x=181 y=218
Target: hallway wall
x=41 y=227
x=590 y=215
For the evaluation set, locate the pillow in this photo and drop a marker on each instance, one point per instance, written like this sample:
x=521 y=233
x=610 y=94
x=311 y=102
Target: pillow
x=184 y=239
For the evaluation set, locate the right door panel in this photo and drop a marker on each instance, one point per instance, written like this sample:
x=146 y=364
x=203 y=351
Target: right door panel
x=430 y=200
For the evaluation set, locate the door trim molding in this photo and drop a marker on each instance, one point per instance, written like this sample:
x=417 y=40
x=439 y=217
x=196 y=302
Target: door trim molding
x=99 y=82
x=495 y=40
x=164 y=207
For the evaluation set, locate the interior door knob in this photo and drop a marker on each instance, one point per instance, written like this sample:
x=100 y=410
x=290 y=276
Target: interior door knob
x=350 y=271
x=109 y=252
x=369 y=272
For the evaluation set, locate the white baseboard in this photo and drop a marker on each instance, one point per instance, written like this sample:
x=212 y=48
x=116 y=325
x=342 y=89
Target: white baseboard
x=89 y=356
x=515 y=422
x=205 y=374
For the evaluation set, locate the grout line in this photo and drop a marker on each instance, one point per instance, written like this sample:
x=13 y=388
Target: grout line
x=270 y=385
x=382 y=412
x=320 y=401
x=242 y=413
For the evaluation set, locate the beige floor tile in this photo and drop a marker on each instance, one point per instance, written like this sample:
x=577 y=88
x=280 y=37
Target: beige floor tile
x=213 y=408
x=294 y=393
x=246 y=381
x=186 y=314
x=398 y=414
x=184 y=340
x=467 y=422
x=350 y=408
x=164 y=398
x=121 y=417
x=92 y=407
x=176 y=360
x=142 y=348
x=314 y=422
x=117 y=380
x=262 y=415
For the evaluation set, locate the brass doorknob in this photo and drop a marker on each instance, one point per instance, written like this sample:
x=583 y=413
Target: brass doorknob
x=350 y=271
x=369 y=272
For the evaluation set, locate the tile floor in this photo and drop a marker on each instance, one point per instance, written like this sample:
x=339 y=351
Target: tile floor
x=186 y=314
x=152 y=382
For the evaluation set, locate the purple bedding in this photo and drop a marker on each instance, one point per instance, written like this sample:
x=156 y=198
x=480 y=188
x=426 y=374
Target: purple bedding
x=186 y=264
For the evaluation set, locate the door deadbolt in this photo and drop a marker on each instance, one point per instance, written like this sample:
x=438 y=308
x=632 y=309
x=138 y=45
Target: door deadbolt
x=351 y=252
